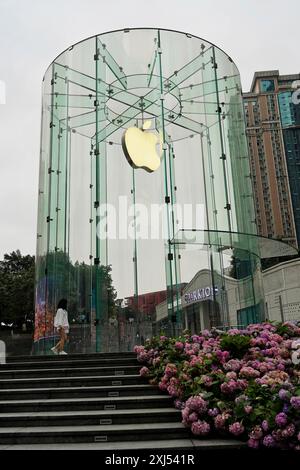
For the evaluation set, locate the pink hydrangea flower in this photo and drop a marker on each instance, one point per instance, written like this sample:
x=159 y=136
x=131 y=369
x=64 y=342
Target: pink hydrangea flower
x=197 y=339
x=289 y=430
x=234 y=331
x=206 y=380
x=200 y=428
x=249 y=372
x=220 y=421
x=170 y=370
x=185 y=413
x=236 y=428
x=162 y=386
x=144 y=372
x=233 y=364
x=231 y=375
x=253 y=443
x=198 y=404
x=193 y=417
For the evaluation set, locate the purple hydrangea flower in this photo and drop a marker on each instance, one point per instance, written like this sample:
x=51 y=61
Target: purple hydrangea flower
x=285 y=408
x=179 y=404
x=281 y=419
x=213 y=412
x=295 y=402
x=283 y=394
x=269 y=441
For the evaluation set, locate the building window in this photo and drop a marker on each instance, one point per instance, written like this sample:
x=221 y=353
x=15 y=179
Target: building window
x=286 y=109
x=267 y=85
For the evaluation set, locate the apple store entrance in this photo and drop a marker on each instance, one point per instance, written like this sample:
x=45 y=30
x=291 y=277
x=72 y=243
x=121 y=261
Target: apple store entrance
x=144 y=181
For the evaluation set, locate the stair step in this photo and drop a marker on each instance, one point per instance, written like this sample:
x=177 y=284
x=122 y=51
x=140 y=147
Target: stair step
x=43 y=382
x=66 y=361
x=64 y=392
x=175 y=445
x=94 y=399
x=101 y=433
x=87 y=403
x=89 y=418
x=69 y=372
x=51 y=356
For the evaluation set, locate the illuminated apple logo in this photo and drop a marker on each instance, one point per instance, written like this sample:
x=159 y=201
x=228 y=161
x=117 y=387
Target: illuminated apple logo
x=142 y=149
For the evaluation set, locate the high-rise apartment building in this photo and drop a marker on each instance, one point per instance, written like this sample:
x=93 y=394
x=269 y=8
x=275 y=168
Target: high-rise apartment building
x=273 y=132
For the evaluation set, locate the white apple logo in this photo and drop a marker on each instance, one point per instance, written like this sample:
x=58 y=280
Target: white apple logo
x=142 y=149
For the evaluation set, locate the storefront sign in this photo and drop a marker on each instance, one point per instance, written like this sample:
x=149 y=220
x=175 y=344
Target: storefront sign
x=201 y=294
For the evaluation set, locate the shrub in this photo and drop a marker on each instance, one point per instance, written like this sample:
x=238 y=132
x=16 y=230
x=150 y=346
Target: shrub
x=242 y=383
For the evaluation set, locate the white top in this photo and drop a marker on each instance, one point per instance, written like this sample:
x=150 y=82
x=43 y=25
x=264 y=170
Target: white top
x=61 y=318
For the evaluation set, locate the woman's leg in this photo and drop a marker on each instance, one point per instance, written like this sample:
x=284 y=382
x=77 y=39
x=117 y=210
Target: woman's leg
x=57 y=344
x=62 y=337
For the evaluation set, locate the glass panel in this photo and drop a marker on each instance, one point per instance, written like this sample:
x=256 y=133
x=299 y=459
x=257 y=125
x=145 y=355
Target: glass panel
x=262 y=247
x=122 y=244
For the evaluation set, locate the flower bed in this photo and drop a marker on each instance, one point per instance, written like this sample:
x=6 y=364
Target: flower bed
x=241 y=383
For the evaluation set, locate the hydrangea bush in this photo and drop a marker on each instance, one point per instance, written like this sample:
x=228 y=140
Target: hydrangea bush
x=241 y=383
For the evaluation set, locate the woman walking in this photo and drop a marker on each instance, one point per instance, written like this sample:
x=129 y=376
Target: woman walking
x=61 y=324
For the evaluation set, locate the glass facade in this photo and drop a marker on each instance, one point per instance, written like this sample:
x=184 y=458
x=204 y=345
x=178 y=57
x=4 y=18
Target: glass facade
x=290 y=121
x=291 y=139
x=98 y=243
x=289 y=112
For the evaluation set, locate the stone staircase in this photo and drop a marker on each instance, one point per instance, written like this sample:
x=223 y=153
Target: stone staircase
x=95 y=401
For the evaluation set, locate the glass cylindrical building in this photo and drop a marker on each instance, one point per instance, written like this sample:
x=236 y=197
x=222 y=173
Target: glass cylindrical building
x=145 y=183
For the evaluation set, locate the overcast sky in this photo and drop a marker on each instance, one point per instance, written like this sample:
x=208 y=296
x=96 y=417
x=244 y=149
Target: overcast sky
x=257 y=34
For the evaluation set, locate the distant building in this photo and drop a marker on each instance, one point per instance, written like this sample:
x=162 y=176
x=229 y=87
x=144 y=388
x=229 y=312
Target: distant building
x=145 y=303
x=273 y=133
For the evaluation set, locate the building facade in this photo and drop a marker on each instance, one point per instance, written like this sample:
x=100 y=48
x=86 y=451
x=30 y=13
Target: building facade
x=282 y=299
x=282 y=291
x=273 y=134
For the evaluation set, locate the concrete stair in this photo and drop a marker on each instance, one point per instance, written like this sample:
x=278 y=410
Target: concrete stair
x=96 y=401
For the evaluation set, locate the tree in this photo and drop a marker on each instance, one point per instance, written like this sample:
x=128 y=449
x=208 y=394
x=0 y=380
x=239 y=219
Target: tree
x=16 y=287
